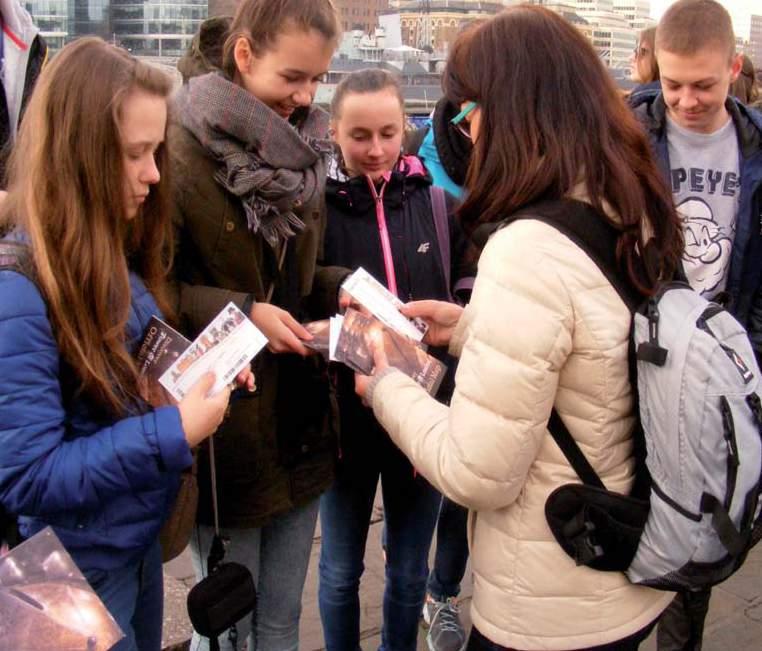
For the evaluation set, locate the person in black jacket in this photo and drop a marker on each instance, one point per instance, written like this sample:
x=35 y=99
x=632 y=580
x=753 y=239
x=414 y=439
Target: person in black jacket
x=382 y=216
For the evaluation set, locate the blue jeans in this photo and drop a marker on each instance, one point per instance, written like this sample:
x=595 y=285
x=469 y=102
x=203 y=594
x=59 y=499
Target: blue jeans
x=134 y=595
x=410 y=510
x=277 y=556
x=452 y=551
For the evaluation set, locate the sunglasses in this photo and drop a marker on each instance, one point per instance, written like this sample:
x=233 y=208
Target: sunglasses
x=458 y=120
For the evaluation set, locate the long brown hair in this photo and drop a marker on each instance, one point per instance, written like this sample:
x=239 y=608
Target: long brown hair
x=66 y=193
x=552 y=119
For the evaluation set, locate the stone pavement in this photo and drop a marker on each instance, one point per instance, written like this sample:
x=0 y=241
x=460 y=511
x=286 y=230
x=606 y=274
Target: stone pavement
x=734 y=621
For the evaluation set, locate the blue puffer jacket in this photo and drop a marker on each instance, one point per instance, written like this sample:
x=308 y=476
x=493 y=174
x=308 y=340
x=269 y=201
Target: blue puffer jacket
x=105 y=487
x=745 y=276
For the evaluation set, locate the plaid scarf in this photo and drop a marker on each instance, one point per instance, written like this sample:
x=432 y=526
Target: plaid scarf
x=264 y=160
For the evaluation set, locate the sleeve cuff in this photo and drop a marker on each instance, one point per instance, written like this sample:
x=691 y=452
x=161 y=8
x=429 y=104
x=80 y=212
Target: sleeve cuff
x=174 y=449
x=370 y=391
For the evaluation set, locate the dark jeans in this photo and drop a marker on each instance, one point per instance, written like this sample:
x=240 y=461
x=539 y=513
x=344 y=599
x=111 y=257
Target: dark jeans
x=452 y=551
x=681 y=626
x=477 y=642
x=134 y=595
x=410 y=510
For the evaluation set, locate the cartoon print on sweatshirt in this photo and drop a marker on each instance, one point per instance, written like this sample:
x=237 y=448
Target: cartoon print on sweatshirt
x=707 y=246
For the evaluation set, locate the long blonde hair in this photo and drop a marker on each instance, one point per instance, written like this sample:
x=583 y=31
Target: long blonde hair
x=66 y=180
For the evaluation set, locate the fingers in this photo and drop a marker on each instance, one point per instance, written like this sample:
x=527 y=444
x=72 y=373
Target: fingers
x=297 y=328
x=287 y=342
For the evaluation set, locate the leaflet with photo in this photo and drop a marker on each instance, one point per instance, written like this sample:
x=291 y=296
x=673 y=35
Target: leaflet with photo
x=160 y=348
x=225 y=347
x=382 y=304
x=361 y=334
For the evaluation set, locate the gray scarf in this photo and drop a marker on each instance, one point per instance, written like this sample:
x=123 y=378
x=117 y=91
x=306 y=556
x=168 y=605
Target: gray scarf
x=266 y=162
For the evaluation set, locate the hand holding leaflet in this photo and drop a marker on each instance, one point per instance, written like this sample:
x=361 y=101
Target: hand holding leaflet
x=382 y=304
x=225 y=347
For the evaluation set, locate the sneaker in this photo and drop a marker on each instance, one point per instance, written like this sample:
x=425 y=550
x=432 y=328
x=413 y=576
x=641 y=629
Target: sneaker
x=445 y=630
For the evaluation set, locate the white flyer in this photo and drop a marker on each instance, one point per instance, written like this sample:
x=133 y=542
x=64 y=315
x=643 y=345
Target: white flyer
x=225 y=347
x=382 y=304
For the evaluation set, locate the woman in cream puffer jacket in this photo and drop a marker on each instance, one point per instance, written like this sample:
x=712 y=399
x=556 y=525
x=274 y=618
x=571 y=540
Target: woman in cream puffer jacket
x=544 y=328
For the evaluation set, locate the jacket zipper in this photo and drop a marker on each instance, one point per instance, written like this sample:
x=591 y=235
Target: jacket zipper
x=386 y=246
x=383 y=231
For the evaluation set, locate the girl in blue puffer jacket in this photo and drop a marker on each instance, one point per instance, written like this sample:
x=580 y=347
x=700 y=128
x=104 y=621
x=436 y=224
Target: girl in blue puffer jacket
x=81 y=449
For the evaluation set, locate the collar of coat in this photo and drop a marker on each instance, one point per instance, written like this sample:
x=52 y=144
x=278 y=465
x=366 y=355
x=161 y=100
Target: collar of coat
x=651 y=109
x=354 y=191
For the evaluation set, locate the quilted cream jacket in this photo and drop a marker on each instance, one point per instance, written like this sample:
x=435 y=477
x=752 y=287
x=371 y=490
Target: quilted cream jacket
x=543 y=327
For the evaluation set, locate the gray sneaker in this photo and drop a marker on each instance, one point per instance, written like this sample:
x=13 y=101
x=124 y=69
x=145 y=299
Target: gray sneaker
x=445 y=630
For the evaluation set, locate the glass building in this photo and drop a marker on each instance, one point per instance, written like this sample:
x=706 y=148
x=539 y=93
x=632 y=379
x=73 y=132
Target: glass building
x=89 y=17
x=156 y=28
x=52 y=18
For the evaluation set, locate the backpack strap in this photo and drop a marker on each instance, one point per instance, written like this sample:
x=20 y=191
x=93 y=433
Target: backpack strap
x=592 y=232
x=439 y=213
x=16 y=256
x=598 y=238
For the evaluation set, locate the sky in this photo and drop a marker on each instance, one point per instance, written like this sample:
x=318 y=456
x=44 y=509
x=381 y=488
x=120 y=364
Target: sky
x=740 y=10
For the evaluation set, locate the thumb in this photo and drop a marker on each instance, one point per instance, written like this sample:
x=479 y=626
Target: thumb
x=417 y=308
x=204 y=385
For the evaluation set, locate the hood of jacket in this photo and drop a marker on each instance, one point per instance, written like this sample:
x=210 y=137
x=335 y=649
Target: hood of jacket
x=354 y=192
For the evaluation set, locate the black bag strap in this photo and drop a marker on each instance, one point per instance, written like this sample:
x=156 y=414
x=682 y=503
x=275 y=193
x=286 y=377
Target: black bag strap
x=598 y=238
x=574 y=455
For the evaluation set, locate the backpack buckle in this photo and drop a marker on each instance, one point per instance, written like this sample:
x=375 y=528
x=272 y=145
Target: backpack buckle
x=651 y=351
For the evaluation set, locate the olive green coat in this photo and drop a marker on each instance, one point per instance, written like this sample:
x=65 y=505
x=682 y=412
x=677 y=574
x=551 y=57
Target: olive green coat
x=217 y=260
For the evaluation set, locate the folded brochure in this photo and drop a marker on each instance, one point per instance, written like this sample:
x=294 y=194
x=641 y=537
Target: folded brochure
x=225 y=347
x=360 y=335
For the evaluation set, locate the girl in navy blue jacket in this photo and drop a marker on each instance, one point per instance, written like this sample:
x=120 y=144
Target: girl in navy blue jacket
x=81 y=449
x=381 y=216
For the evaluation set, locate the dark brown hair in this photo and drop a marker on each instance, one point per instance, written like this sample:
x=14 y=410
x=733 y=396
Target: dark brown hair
x=689 y=26
x=552 y=123
x=367 y=80
x=66 y=193
x=261 y=21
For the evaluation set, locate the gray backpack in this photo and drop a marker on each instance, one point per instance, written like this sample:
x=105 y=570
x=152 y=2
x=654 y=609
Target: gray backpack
x=695 y=509
x=700 y=410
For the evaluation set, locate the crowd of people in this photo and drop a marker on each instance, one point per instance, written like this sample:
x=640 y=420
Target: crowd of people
x=130 y=201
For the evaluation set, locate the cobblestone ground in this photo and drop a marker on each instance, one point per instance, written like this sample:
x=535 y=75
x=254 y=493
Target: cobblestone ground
x=734 y=622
